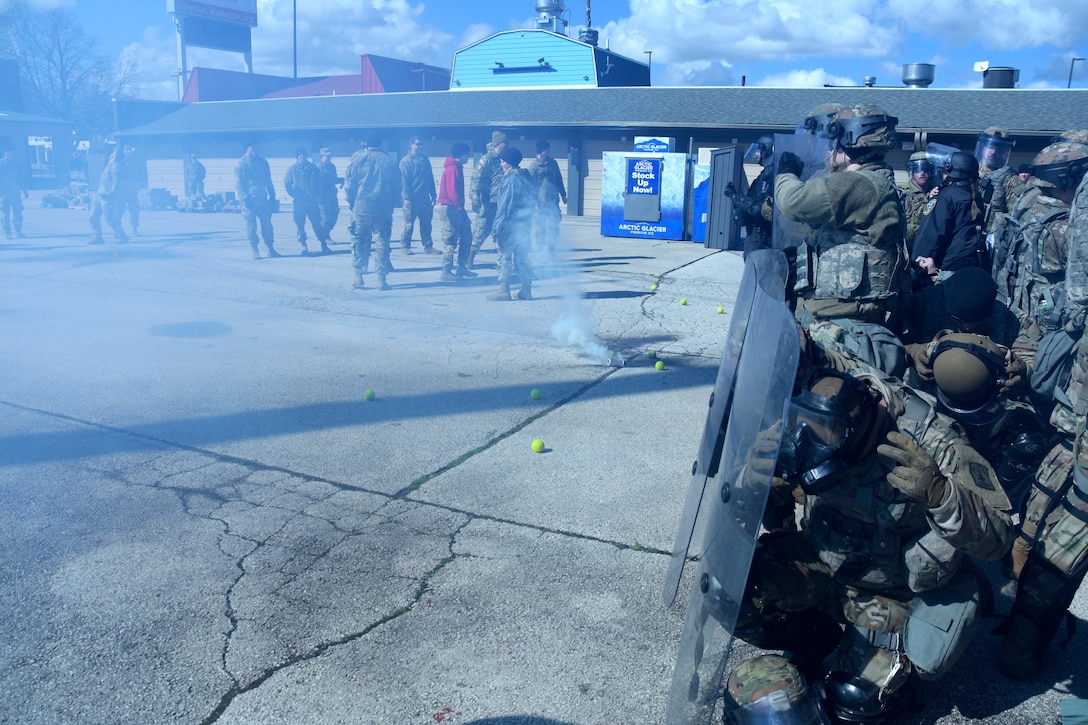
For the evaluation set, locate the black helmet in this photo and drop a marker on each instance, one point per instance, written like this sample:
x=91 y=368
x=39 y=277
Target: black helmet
x=961 y=167
x=969 y=370
x=762 y=151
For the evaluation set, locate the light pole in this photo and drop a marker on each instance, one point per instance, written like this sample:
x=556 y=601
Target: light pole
x=294 y=32
x=650 y=63
x=1071 y=62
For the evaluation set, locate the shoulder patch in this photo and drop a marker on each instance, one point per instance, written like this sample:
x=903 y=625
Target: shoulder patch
x=929 y=206
x=981 y=476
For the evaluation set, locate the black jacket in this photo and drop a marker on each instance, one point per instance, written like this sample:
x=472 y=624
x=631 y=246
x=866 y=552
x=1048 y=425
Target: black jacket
x=949 y=231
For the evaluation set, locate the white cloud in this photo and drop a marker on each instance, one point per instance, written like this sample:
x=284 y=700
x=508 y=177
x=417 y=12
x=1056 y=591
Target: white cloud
x=815 y=78
x=997 y=24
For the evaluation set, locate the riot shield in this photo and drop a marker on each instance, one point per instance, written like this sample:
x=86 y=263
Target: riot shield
x=765 y=274
x=734 y=501
x=815 y=152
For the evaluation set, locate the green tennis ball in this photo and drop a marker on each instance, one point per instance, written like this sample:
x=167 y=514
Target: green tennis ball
x=535 y=394
x=538 y=446
x=369 y=394
x=653 y=288
x=683 y=301
x=660 y=365
x=721 y=310
x=651 y=353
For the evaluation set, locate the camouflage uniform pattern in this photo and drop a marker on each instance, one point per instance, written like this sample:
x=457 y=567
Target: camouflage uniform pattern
x=328 y=198
x=548 y=180
x=107 y=202
x=253 y=186
x=1031 y=276
x=372 y=185
x=484 y=196
x=513 y=225
x=915 y=200
x=303 y=184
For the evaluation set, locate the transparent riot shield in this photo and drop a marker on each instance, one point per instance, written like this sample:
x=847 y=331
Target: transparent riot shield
x=815 y=152
x=734 y=500
x=765 y=274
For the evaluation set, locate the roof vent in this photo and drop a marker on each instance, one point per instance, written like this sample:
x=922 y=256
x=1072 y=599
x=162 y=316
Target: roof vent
x=1000 y=77
x=918 y=75
x=869 y=81
x=550 y=16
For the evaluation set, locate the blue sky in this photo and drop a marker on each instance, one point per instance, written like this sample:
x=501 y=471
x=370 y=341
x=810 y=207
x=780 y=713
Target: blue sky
x=785 y=43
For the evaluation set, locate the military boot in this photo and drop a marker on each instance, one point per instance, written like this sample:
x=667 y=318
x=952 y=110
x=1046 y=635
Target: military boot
x=325 y=247
x=526 y=291
x=305 y=249
x=256 y=251
x=502 y=294
x=358 y=283
x=429 y=249
x=272 y=250
x=447 y=274
x=382 y=284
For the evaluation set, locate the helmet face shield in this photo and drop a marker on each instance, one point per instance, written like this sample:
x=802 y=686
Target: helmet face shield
x=848 y=132
x=923 y=172
x=993 y=152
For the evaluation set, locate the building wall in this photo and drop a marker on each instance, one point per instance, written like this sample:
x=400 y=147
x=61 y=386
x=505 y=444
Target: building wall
x=571 y=62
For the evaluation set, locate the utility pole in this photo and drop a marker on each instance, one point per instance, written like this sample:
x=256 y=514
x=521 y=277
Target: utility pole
x=294 y=32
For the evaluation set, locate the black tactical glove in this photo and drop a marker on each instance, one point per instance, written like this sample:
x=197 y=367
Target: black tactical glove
x=730 y=190
x=790 y=163
x=916 y=475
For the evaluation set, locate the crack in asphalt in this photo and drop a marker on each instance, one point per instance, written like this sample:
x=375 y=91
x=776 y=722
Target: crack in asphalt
x=224 y=493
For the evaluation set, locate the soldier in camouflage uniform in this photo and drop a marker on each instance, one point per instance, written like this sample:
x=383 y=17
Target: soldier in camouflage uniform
x=999 y=184
x=372 y=185
x=917 y=192
x=417 y=190
x=303 y=184
x=129 y=187
x=107 y=201
x=253 y=185
x=1032 y=277
x=894 y=498
x=328 y=199
x=11 y=203
x=513 y=226
x=484 y=193
x=1050 y=554
x=854 y=266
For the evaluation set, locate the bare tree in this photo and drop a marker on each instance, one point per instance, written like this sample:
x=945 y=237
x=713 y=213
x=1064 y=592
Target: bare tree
x=63 y=73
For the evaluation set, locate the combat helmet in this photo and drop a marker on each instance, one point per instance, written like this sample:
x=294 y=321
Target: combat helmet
x=993 y=147
x=969 y=371
x=961 y=167
x=769 y=689
x=1060 y=165
x=920 y=162
x=816 y=120
x=1073 y=135
x=863 y=131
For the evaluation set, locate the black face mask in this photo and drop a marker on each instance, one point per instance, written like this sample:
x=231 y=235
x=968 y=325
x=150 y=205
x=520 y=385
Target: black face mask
x=819 y=431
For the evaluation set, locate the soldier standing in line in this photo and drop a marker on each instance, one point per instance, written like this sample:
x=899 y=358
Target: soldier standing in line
x=484 y=192
x=194 y=176
x=303 y=184
x=372 y=185
x=1000 y=186
x=918 y=190
x=11 y=203
x=548 y=179
x=417 y=190
x=328 y=199
x=129 y=188
x=107 y=202
x=454 y=226
x=513 y=226
x=253 y=185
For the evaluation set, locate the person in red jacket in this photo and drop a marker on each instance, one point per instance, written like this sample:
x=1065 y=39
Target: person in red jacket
x=453 y=223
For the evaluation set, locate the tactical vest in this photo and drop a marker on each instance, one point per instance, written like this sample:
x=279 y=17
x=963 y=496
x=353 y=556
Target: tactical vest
x=845 y=264
x=1022 y=282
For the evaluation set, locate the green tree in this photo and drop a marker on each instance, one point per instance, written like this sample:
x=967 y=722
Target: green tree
x=63 y=73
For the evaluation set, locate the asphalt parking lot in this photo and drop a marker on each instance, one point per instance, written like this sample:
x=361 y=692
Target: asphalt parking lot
x=205 y=520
